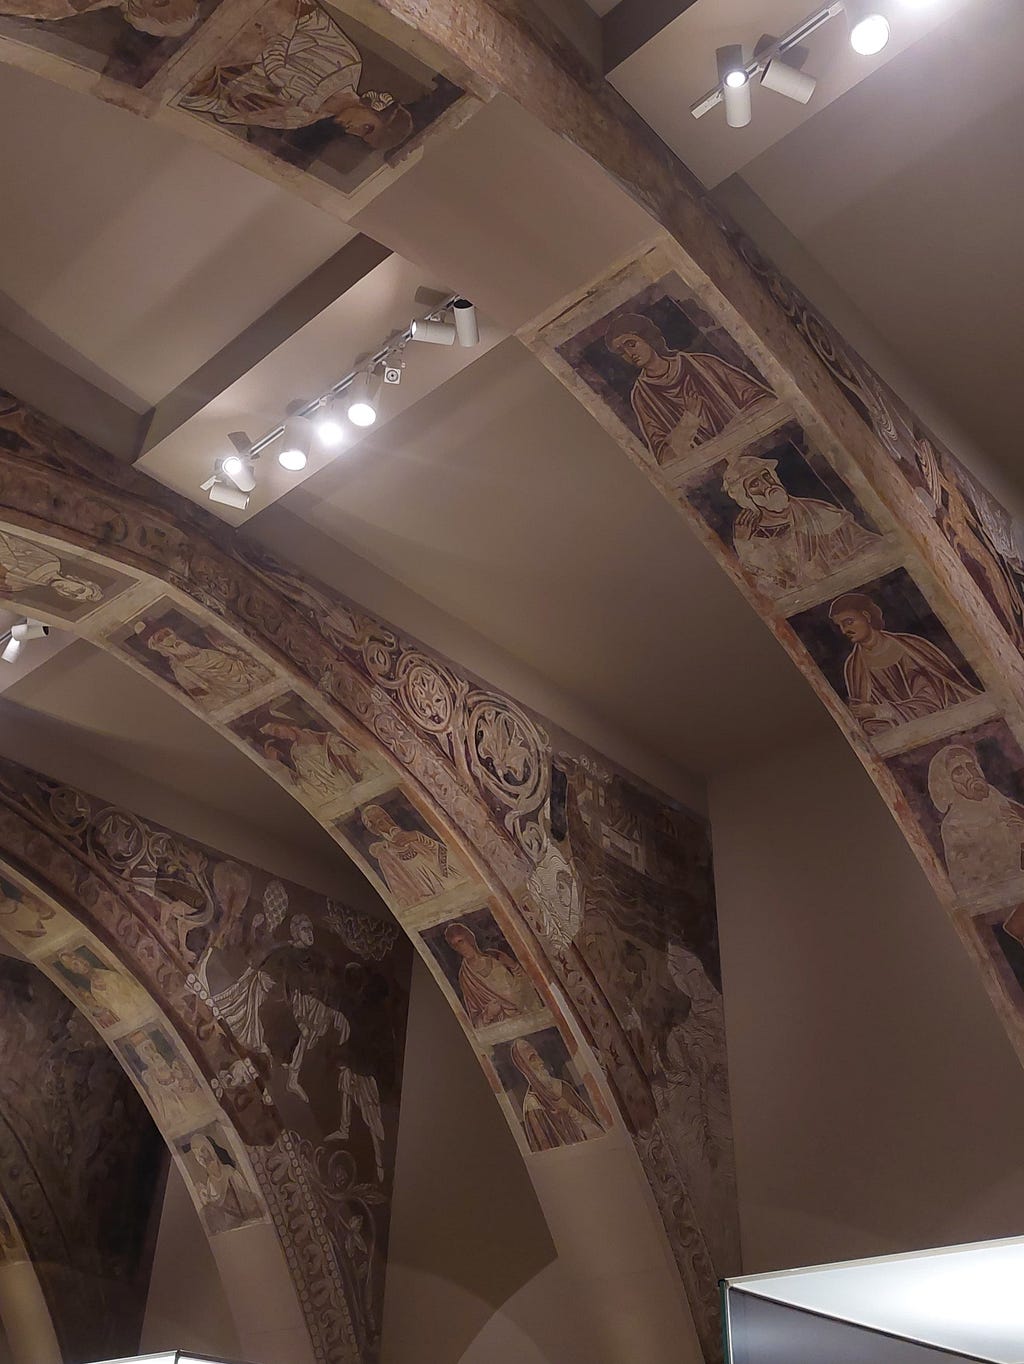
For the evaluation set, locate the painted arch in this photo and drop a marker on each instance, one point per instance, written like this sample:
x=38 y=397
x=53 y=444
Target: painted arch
x=467 y=814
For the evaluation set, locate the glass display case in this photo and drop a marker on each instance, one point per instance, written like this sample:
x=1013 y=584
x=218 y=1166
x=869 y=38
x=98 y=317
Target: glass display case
x=956 y=1304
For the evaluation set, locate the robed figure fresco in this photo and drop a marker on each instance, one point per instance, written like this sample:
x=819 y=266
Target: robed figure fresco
x=226 y=1199
x=293 y=66
x=892 y=678
x=413 y=865
x=553 y=1113
x=786 y=542
x=492 y=984
x=161 y=18
x=210 y=676
x=323 y=761
x=25 y=565
x=982 y=830
x=680 y=398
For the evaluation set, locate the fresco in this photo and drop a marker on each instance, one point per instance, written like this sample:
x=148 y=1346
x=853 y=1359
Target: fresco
x=164 y=1075
x=783 y=514
x=204 y=665
x=482 y=969
x=22 y=916
x=413 y=864
x=1001 y=937
x=218 y=1185
x=318 y=89
x=668 y=371
x=96 y=984
x=886 y=654
x=56 y=583
x=289 y=733
x=81 y=1166
x=11 y=1245
x=967 y=794
x=545 y=1091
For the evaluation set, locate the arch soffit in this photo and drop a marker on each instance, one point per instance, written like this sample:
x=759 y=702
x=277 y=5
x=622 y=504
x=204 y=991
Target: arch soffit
x=426 y=751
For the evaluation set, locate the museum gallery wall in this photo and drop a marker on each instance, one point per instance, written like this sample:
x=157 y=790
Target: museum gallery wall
x=565 y=910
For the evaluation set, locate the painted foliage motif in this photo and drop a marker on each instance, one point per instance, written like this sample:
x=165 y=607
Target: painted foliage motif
x=668 y=371
x=886 y=653
x=545 y=1091
x=412 y=862
x=102 y=989
x=783 y=513
x=58 y=583
x=125 y=40
x=320 y=90
x=220 y=1188
x=482 y=969
x=288 y=732
x=200 y=662
x=967 y=793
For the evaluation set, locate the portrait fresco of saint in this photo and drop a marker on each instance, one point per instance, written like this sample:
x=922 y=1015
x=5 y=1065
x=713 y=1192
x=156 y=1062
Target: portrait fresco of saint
x=22 y=914
x=197 y=660
x=318 y=89
x=58 y=583
x=224 y=1197
x=413 y=863
x=1002 y=938
x=482 y=969
x=107 y=995
x=162 y=1072
x=539 y=1078
x=292 y=735
x=787 y=517
x=886 y=653
x=11 y=1248
x=675 y=378
x=967 y=793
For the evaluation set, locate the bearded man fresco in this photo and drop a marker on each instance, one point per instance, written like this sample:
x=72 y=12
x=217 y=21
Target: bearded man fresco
x=680 y=398
x=892 y=678
x=786 y=542
x=982 y=830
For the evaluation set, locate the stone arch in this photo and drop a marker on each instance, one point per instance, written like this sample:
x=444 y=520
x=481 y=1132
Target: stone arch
x=52 y=905
x=460 y=774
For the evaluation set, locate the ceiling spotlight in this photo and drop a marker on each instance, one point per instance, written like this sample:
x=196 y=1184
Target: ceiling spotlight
x=437 y=333
x=869 y=30
x=467 y=329
x=329 y=422
x=29 y=629
x=362 y=397
x=297 y=440
x=228 y=496
x=11 y=650
x=732 y=73
x=787 y=80
x=239 y=467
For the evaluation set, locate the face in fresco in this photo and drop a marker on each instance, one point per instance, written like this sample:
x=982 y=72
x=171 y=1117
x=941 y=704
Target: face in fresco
x=204 y=1153
x=71 y=961
x=855 y=625
x=462 y=943
x=635 y=349
x=378 y=822
x=302 y=931
x=967 y=779
x=765 y=491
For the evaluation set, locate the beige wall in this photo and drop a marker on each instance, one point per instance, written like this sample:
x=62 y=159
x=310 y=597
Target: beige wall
x=877 y=1103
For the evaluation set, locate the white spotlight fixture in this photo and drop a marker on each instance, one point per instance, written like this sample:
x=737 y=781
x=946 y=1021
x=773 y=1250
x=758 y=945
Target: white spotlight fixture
x=329 y=423
x=11 y=650
x=869 y=29
x=228 y=496
x=436 y=333
x=29 y=629
x=296 y=440
x=467 y=329
x=787 y=80
x=735 y=85
x=239 y=467
x=362 y=397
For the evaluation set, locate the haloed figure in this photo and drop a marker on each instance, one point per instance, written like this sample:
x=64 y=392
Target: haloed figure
x=680 y=398
x=493 y=985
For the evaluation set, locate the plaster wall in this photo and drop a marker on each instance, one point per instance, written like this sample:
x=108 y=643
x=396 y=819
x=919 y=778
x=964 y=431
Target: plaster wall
x=877 y=1103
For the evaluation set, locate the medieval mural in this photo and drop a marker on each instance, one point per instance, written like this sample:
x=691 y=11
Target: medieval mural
x=58 y=584
x=81 y=1167
x=413 y=864
x=479 y=964
x=886 y=654
x=96 y=984
x=546 y=1095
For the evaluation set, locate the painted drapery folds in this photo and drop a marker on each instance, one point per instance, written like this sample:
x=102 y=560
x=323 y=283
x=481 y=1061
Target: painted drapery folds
x=566 y=912
x=81 y=1168
x=298 y=1113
